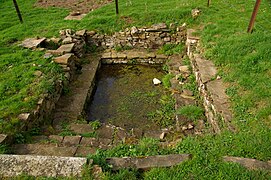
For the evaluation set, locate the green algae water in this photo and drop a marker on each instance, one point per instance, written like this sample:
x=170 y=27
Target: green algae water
x=126 y=96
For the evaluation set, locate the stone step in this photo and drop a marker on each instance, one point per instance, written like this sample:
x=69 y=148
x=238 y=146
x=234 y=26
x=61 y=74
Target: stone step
x=73 y=105
x=44 y=150
x=14 y=165
x=147 y=162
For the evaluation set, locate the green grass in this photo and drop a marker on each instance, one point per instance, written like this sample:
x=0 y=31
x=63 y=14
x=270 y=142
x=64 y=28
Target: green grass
x=166 y=80
x=243 y=61
x=170 y=49
x=191 y=112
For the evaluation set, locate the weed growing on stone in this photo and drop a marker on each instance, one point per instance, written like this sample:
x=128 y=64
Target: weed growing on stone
x=95 y=124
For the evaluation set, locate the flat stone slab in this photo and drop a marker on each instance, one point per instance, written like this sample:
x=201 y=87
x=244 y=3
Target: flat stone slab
x=84 y=151
x=78 y=17
x=221 y=101
x=148 y=161
x=63 y=49
x=32 y=43
x=71 y=140
x=88 y=141
x=249 y=163
x=56 y=138
x=44 y=150
x=81 y=128
x=105 y=132
x=206 y=69
x=14 y=165
x=3 y=138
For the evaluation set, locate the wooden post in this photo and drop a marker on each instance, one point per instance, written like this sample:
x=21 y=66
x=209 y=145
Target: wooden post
x=209 y=2
x=117 y=6
x=253 y=16
x=18 y=11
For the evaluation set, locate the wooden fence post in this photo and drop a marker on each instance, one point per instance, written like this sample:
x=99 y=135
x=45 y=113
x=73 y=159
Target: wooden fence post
x=253 y=16
x=18 y=11
x=117 y=6
x=209 y=2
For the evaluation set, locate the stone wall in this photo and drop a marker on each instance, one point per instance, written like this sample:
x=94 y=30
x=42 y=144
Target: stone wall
x=211 y=87
x=147 y=38
x=70 y=48
x=67 y=49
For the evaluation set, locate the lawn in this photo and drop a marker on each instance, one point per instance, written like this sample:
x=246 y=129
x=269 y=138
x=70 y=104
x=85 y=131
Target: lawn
x=243 y=60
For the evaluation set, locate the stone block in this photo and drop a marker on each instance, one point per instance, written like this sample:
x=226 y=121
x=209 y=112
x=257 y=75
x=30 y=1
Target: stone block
x=56 y=138
x=65 y=59
x=161 y=56
x=148 y=161
x=75 y=17
x=81 y=33
x=32 y=43
x=15 y=165
x=24 y=116
x=85 y=151
x=252 y=164
x=67 y=40
x=105 y=132
x=63 y=49
x=132 y=55
x=88 y=141
x=107 y=55
x=39 y=139
x=152 y=134
x=43 y=150
x=206 y=69
x=121 y=55
x=3 y=138
x=81 y=128
x=71 y=140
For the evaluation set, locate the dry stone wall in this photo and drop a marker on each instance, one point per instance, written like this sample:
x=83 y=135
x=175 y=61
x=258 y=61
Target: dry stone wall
x=147 y=38
x=211 y=87
x=67 y=49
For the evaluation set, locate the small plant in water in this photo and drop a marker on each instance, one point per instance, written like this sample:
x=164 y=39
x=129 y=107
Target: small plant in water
x=166 y=80
x=95 y=124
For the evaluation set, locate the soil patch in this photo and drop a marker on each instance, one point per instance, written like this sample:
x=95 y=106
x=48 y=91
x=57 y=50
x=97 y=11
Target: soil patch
x=82 y=6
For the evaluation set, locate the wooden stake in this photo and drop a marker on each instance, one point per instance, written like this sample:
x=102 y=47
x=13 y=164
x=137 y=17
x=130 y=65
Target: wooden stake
x=253 y=16
x=18 y=11
x=209 y=2
x=117 y=6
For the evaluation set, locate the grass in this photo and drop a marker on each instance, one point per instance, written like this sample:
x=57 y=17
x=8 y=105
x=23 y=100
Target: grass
x=191 y=112
x=166 y=80
x=170 y=49
x=243 y=61
x=164 y=116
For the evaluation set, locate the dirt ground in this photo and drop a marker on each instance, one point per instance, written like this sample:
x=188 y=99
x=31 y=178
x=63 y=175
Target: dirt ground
x=82 y=6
